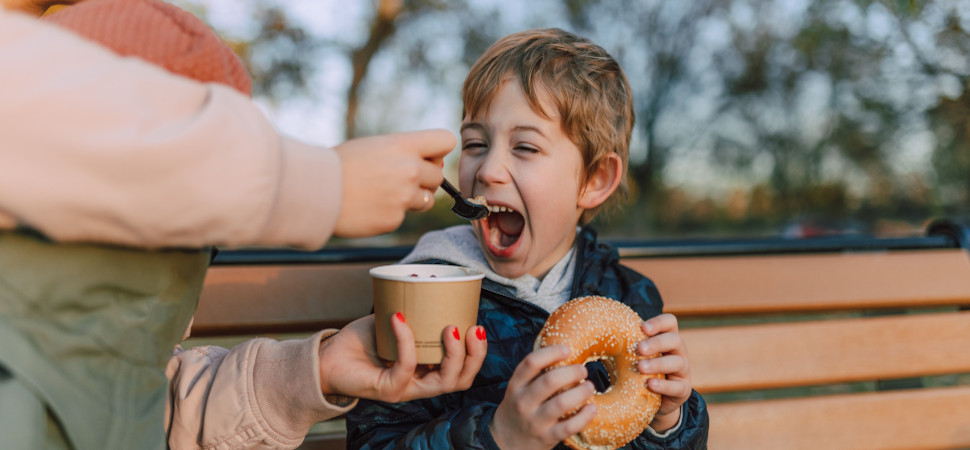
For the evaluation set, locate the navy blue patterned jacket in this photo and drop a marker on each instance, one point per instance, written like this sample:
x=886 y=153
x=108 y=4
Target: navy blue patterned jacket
x=461 y=419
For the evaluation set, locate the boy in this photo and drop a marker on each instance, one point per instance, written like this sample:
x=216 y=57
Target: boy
x=545 y=135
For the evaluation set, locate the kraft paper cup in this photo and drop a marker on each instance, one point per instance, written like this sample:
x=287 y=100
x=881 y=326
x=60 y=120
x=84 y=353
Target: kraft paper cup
x=431 y=297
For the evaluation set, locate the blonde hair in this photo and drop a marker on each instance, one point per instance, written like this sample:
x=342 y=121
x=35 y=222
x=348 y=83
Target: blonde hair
x=585 y=84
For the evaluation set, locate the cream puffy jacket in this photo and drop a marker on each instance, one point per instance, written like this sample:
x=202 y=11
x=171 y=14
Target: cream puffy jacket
x=97 y=148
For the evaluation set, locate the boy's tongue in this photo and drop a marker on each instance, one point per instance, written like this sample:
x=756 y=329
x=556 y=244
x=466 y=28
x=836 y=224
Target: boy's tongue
x=510 y=224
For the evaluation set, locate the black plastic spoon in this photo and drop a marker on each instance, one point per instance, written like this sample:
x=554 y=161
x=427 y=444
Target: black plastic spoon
x=463 y=207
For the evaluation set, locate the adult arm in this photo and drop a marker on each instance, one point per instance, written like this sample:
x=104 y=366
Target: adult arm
x=260 y=394
x=267 y=394
x=99 y=148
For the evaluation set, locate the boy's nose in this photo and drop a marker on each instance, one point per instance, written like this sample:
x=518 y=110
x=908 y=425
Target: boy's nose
x=493 y=168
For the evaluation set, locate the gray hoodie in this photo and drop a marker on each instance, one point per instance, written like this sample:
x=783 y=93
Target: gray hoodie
x=458 y=245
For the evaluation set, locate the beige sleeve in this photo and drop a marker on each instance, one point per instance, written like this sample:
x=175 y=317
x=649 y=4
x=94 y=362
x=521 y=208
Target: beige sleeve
x=262 y=394
x=95 y=147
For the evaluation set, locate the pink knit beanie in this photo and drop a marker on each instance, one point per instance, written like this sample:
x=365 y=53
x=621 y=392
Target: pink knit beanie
x=159 y=33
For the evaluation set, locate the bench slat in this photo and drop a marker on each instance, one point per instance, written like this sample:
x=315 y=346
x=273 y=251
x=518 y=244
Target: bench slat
x=324 y=442
x=828 y=351
x=921 y=418
x=693 y=286
x=309 y=297
x=277 y=298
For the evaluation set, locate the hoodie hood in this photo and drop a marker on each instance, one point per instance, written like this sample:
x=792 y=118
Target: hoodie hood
x=458 y=245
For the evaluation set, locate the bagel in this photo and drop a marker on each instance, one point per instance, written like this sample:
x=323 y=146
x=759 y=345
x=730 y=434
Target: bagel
x=598 y=328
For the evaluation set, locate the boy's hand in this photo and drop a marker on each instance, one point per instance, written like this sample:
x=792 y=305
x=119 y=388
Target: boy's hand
x=349 y=364
x=663 y=338
x=386 y=176
x=529 y=415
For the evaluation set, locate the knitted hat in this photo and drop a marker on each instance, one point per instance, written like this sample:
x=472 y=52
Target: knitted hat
x=159 y=33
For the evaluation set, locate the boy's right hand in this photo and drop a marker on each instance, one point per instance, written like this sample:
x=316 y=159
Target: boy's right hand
x=529 y=415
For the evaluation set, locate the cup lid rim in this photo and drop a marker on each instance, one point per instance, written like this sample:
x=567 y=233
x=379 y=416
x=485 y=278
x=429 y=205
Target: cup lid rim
x=403 y=272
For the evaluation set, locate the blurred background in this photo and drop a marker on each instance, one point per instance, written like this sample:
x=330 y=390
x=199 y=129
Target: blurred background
x=792 y=118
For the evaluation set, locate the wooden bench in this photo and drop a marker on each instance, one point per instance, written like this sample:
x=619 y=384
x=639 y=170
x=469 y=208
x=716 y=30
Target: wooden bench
x=849 y=342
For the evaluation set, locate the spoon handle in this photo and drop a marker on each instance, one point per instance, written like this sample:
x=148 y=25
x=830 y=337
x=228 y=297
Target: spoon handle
x=451 y=190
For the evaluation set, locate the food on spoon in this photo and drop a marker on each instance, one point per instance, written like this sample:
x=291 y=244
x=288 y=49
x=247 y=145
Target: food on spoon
x=478 y=200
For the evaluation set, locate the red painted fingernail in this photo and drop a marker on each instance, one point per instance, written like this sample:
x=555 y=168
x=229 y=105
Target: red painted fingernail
x=480 y=333
x=455 y=333
x=399 y=316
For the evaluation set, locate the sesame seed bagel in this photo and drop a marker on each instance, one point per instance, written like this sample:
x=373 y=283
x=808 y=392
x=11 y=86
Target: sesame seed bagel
x=598 y=328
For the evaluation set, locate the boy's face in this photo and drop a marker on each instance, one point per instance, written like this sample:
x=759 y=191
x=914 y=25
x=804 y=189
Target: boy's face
x=524 y=164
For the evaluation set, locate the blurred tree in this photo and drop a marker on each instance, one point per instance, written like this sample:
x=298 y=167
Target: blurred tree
x=277 y=51
x=387 y=17
x=850 y=109
x=276 y=56
x=654 y=41
x=949 y=118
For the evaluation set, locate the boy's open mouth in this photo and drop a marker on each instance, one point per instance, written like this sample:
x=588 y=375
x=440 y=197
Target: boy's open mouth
x=502 y=229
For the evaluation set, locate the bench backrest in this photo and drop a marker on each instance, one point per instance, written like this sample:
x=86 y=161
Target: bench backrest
x=791 y=349
x=798 y=326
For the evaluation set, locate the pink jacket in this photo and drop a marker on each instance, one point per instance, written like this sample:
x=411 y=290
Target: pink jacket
x=261 y=394
x=97 y=148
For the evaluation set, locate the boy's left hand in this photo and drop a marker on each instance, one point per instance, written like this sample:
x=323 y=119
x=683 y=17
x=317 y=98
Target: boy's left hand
x=664 y=338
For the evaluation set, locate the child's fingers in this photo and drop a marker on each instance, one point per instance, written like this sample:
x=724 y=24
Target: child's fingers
x=663 y=323
x=667 y=364
x=676 y=389
x=562 y=430
x=535 y=362
x=407 y=359
x=562 y=403
x=548 y=384
x=662 y=343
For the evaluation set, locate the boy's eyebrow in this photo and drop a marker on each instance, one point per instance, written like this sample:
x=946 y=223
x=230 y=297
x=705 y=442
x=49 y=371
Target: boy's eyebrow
x=529 y=128
x=479 y=127
x=474 y=125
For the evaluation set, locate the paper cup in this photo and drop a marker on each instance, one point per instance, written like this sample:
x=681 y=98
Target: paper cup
x=431 y=297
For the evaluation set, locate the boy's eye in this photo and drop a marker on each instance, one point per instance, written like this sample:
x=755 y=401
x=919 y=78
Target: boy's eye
x=527 y=149
x=474 y=146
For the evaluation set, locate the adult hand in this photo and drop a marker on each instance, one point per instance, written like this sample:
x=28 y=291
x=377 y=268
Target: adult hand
x=530 y=414
x=349 y=364
x=34 y=7
x=663 y=338
x=385 y=176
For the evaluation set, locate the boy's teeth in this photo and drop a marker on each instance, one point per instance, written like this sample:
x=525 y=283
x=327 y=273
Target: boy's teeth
x=498 y=209
x=480 y=200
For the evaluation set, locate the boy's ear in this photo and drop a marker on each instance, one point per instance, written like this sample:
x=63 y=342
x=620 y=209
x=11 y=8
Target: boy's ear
x=602 y=183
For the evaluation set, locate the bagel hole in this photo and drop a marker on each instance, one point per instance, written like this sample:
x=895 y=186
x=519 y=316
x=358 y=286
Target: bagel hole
x=597 y=364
